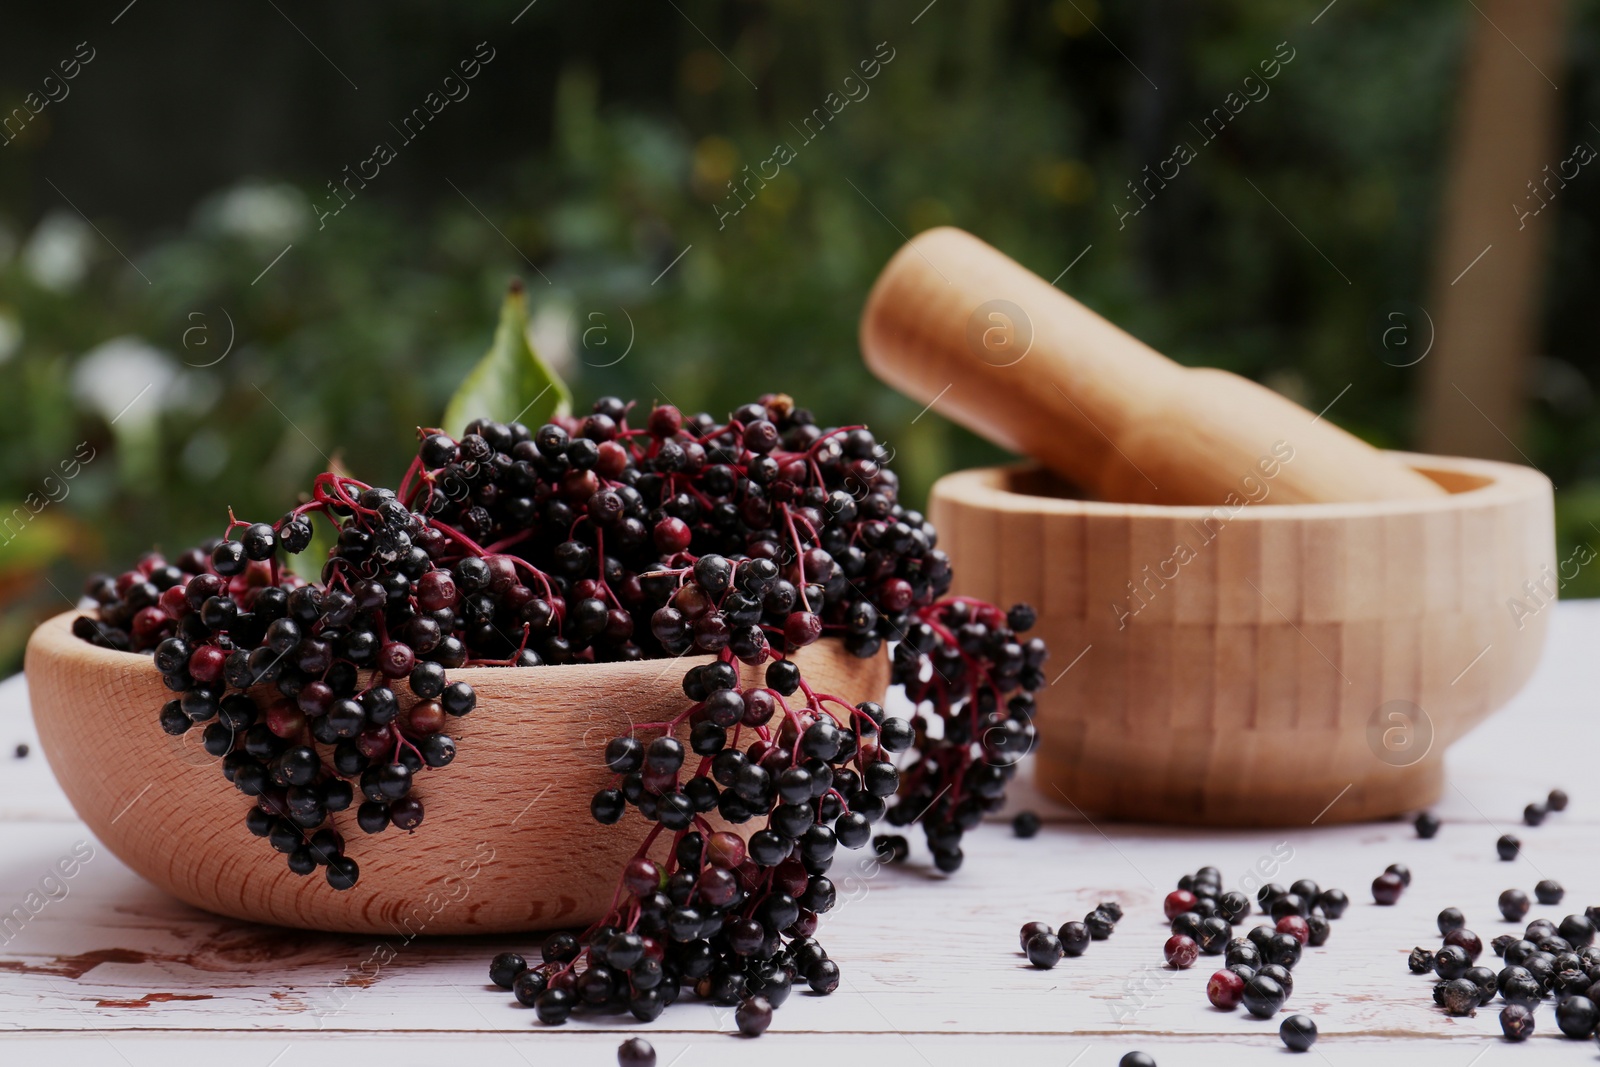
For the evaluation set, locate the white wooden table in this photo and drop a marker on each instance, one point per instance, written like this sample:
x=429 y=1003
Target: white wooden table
x=113 y=972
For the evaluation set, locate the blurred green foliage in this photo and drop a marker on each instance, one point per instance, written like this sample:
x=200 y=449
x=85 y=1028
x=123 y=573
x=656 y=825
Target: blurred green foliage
x=1023 y=123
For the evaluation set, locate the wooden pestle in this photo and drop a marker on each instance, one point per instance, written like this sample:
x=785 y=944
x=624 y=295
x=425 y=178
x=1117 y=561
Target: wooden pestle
x=955 y=323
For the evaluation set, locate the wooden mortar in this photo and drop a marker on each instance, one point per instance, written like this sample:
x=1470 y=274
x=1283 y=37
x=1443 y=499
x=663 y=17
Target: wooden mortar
x=1265 y=663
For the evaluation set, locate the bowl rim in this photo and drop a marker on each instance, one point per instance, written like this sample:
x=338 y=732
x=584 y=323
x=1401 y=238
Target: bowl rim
x=54 y=637
x=981 y=488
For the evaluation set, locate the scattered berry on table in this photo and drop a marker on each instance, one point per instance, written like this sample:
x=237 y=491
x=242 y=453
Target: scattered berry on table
x=1401 y=871
x=22 y=750
x=1074 y=938
x=1508 y=846
x=1225 y=989
x=1466 y=940
x=1044 y=950
x=1451 y=919
x=754 y=1015
x=1263 y=996
x=1427 y=824
x=1280 y=974
x=1028 y=931
x=636 y=1052
x=1234 y=906
x=504 y=968
x=1100 y=923
x=1333 y=902
x=1387 y=887
x=1451 y=961
x=1295 y=927
x=1283 y=949
x=1557 y=801
x=1576 y=1016
x=1534 y=814
x=1298 y=1032
x=1025 y=824
x=1514 y=905
x=1485 y=980
x=1181 y=952
x=1177 y=902
x=1517 y=985
x=1420 y=961
x=1516 y=1022
x=1458 y=996
x=1548 y=891
x=1137 y=1059
x=1578 y=930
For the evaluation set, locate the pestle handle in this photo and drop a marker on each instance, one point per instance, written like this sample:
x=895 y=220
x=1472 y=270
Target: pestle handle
x=955 y=323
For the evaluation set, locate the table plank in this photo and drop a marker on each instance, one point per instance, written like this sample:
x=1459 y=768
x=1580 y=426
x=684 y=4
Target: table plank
x=929 y=969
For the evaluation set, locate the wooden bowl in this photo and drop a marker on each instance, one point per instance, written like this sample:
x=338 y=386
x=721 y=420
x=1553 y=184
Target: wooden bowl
x=507 y=842
x=1263 y=664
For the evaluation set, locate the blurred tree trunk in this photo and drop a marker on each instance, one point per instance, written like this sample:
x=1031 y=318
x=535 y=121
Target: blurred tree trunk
x=1486 y=311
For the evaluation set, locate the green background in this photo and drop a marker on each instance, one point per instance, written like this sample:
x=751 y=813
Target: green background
x=589 y=155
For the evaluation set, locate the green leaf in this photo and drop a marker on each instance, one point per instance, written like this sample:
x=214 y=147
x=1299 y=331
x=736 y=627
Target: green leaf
x=511 y=382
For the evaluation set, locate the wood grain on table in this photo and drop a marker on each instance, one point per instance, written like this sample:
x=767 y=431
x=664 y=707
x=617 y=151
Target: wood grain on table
x=106 y=969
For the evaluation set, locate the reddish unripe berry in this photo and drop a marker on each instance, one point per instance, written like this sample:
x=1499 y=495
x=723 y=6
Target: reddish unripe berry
x=205 y=663
x=285 y=720
x=724 y=849
x=790 y=876
x=174 y=602
x=691 y=600
x=436 y=591
x=718 y=886
x=314 y=698
x=518 y=597
x=425 y=717
x=801 y=628
x=619 y=625
x=665 y=421
x=395 y=659
x=671 y=535
x=148 y=625
x=578 y=486
x=1295 y=927
x=641 y=877
x=1466 y=940
x=804 y=926
x=502 y=573
x=1181 y=951
x=375 y=741
x=613 y=460
x=894 y=595
x=1225 y=990
x=1387 y=887
x=759 y=707
x=1178 y=901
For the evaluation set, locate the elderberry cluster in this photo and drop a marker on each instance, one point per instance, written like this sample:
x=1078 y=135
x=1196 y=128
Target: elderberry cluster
x=590 y=540
x=748 y=541
x=292 y=683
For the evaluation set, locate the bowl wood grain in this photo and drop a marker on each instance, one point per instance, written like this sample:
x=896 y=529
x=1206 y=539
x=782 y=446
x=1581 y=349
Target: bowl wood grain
x=507 y=842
